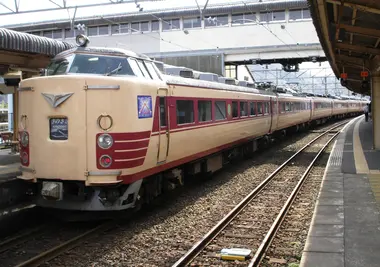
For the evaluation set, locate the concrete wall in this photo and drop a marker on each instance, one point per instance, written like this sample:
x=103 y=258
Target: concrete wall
x=215 y=38
x=207 y=63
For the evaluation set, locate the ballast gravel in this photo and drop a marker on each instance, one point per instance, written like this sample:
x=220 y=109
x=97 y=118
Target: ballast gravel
x=160 y=237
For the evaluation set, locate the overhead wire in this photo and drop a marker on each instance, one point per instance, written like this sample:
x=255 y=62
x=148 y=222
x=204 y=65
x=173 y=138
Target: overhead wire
x=259 y=22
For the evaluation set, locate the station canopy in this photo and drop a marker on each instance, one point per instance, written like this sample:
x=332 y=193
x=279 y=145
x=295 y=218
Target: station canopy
x=349 y=34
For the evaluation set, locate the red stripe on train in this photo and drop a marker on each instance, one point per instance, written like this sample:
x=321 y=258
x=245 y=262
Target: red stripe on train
x=130 y=178
x=129 y=136
x=140 y=146
x=130 y=145
x=129 y=154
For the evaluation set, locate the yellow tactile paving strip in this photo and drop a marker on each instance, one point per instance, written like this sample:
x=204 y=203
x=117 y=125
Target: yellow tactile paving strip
x=374 y=180
x=361 y=163
x=360 y=160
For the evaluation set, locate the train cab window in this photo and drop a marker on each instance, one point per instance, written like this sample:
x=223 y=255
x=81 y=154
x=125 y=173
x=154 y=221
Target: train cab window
x=162 y=112
x=266 y=108
x=152 y=70
x=185 y=111
x=259 y=108
x=243 y=109
x=135 y=67
x=220 y=110
x=235 y=111
x=252 y=109
x=143 y=69
x=104 y=65
x=204 y=110
x=59 y=67
x=282 y=107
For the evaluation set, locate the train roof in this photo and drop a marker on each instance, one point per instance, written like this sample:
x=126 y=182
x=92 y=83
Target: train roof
x=103 y=51
x=189 y=77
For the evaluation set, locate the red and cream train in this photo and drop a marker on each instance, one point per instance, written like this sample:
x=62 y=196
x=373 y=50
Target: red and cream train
x=105 y=129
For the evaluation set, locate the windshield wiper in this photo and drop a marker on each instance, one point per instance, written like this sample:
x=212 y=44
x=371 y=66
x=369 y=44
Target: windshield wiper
x=115 y=70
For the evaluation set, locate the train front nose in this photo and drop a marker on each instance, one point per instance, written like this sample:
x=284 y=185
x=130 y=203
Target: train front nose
x=52 y=119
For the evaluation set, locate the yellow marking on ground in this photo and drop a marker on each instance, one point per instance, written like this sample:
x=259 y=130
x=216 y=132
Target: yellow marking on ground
x=374 y=180
x=360 y=161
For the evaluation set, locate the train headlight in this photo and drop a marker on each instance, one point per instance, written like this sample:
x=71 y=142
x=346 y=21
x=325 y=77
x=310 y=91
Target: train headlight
x=105 y=161
x=105 y=141
x=82 y=40
x=24 y=139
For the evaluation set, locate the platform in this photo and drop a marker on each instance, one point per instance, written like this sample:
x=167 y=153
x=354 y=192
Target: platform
x=345 y=230
x=9 y=165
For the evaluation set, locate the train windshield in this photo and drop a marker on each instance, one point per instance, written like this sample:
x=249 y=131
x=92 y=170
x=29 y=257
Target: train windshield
x=90 y=64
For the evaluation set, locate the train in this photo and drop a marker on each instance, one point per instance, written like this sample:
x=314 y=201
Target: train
x=106 y=129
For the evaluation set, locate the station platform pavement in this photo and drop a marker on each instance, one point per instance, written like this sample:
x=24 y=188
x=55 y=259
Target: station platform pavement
x=345 y=230
x=9 y=165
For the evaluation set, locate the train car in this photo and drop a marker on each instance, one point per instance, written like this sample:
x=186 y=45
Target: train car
x=293 y=111
x=106 y=130
x=340 y=108
x=321 y=109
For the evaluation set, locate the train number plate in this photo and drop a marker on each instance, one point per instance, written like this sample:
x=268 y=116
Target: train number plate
x=59 y=129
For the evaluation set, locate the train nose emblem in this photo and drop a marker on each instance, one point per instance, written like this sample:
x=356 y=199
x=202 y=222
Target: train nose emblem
x=56 y=100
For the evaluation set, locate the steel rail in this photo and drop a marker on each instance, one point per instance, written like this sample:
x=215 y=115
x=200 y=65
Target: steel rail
x=56 y=251
x=260 y=253
x=223 y=223
x=19 y=238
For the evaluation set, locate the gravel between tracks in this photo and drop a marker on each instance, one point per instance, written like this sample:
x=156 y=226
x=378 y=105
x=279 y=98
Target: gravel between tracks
x=158 y=237
x=287 y=246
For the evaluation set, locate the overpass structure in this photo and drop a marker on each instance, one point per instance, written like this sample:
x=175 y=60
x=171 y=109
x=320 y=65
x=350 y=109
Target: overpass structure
x=207 y=38
x=203 y=38
x=349 y=34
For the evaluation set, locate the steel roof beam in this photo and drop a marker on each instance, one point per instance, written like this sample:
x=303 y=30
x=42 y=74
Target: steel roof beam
x=59 y=7
x=350 y=60
x=358 y=49
x=361 y=30
x=375 y=9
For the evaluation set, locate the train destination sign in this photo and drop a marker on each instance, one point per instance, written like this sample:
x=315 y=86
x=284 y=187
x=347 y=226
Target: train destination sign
x=58 y=129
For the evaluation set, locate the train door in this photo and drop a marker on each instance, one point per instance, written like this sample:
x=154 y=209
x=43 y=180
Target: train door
x=274 y=114
x=311 y=106
x=164 y=125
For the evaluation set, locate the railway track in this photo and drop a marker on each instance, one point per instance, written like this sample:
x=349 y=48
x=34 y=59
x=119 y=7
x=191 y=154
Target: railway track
x=38 y=245
x=252 y=224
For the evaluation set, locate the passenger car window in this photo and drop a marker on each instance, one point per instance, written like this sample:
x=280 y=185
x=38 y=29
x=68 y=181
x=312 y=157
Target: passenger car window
x=243 y=109
x=259 y=108
x=204 y=110
x=185 y=111
x=252 y=109
x=235 y=113
x=220 y=110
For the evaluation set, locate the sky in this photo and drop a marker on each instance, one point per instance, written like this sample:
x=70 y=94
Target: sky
x=25 y=5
